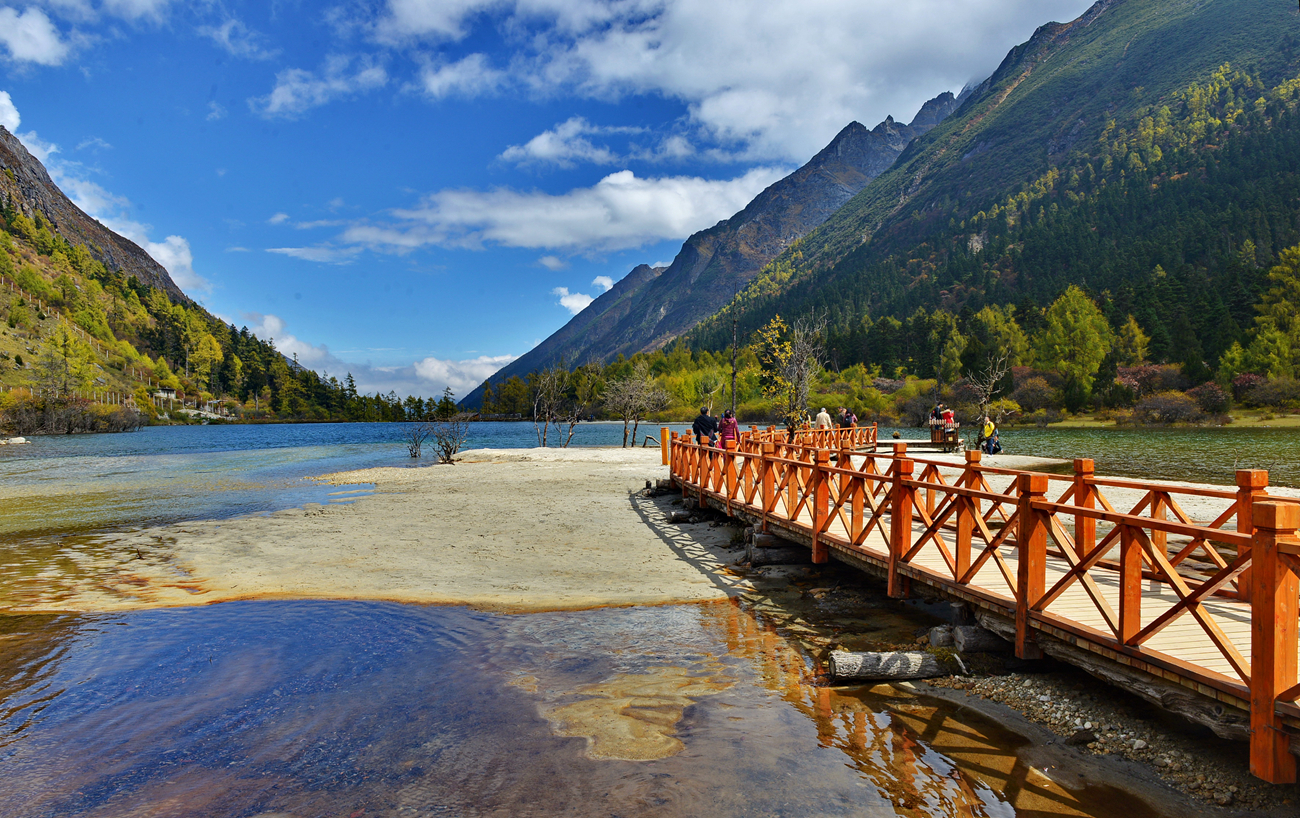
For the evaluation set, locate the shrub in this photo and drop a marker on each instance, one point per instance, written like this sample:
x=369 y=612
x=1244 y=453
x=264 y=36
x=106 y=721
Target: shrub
x=1245 y=382
x=1167 y=407
x=1034 y=394
x=1278 y=393
x=1211 y=398
x=1153 y=378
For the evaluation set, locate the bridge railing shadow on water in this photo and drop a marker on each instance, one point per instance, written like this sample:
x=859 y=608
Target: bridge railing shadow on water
x=1190 y=586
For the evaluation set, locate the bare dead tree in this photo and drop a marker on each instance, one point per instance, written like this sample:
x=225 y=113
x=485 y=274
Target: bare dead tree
x=414 y=438
x=634 y=397
x=547 y=387
x=985 y=383
x=449 y=436
x=804 y=361
x=580 y=396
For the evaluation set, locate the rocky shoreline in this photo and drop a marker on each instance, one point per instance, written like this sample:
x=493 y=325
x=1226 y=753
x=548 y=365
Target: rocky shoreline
x=1103 y=721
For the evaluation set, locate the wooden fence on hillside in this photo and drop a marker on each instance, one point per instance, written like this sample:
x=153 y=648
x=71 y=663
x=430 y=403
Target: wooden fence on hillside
x=1205 y=598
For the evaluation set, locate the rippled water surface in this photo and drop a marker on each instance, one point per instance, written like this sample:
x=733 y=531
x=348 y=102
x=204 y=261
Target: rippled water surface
x=352 y=709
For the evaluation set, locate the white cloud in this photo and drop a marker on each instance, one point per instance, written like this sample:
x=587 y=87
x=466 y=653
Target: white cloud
x=553 y=263
x=173 y=253
x=620 y=211
x=462 y=376
x=215 y=111
x=568 y=143
x=9 y=117
x=278 y=218
x=471 y=76
x=29 y=36
x=136 y=9
x=297 y=91
x=605 y=283
x=427 y=376
x=239 y=40
x=573 y=302
x=321 y=254
x=563 y=145
x=769 y=80
x=93 y=142
x=427 y=19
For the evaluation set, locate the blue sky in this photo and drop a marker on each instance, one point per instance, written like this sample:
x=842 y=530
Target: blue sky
x=418 y=191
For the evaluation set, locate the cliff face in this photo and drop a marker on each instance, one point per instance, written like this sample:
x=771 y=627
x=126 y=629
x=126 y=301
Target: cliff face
x=26 y=183
x=650 y=307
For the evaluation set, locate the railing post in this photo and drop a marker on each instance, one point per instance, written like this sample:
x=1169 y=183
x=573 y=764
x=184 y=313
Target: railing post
x=1031 y=575
x=767 y=481
x=967 y=508
x=1130 y=584
x=1273 y=614
x=1085 y=528
x=1252 y=484
x=730 y=467
x=684 y=461
x=663 y=443
x=900 y=523
x=820 y=493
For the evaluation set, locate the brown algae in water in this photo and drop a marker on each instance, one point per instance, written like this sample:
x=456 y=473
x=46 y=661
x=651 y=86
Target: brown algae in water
x=633 y=716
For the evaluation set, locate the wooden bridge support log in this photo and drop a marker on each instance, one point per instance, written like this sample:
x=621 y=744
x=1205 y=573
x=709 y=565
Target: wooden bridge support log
x=665 y=444
x=1275 y=599
x=1031 y=577
x=894 y=665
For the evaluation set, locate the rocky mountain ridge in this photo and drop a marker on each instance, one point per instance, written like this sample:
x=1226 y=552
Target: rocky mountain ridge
x=650 y=307
x=25 y=182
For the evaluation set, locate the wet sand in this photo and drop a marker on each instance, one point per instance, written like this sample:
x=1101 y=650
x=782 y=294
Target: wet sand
x=517 y=530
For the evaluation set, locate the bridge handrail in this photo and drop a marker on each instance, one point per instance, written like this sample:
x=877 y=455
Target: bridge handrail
x=969 y=525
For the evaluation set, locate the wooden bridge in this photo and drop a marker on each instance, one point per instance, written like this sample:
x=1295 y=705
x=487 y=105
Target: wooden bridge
x=1194 y=587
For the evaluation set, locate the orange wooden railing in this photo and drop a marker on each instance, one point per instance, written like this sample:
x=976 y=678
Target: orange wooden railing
x=905 y=517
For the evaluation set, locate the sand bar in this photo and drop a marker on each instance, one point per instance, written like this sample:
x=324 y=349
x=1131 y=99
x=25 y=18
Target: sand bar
x=517 y=529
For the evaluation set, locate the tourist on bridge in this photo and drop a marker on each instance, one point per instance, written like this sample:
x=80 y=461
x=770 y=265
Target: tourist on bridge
x=705 y=428
x=728 y=428
x=823 y=419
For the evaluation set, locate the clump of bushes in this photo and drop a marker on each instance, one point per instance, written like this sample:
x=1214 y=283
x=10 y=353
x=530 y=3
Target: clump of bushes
x=1211 y=398
x=1167 y=407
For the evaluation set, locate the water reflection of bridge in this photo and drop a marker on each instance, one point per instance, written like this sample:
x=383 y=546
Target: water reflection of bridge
x=923 y=756
x=1185 y=594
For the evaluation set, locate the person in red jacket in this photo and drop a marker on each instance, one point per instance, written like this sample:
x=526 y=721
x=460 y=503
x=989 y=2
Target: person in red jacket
x=728 y=428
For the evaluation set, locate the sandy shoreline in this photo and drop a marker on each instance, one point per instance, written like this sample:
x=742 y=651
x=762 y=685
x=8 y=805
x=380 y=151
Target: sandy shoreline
x=519 y=530
x=505 y=529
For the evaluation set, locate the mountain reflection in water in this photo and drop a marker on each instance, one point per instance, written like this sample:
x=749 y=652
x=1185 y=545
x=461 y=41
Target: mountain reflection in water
x=351 y=708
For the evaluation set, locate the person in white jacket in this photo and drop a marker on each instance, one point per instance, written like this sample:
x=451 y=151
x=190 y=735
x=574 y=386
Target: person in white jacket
x=823 y=419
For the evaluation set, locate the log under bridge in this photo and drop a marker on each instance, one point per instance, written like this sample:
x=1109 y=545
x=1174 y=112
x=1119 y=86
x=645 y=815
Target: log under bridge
x=1186 y=595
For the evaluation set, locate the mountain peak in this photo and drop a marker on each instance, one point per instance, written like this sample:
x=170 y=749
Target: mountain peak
x=650 y=307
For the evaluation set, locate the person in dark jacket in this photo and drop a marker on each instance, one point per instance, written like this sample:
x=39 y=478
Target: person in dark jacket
x=705 y=427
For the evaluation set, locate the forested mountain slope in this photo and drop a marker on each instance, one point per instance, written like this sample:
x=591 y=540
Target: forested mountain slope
x=651 y=306
x=23 y=179
x=1148 y=151
x=91 y=328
